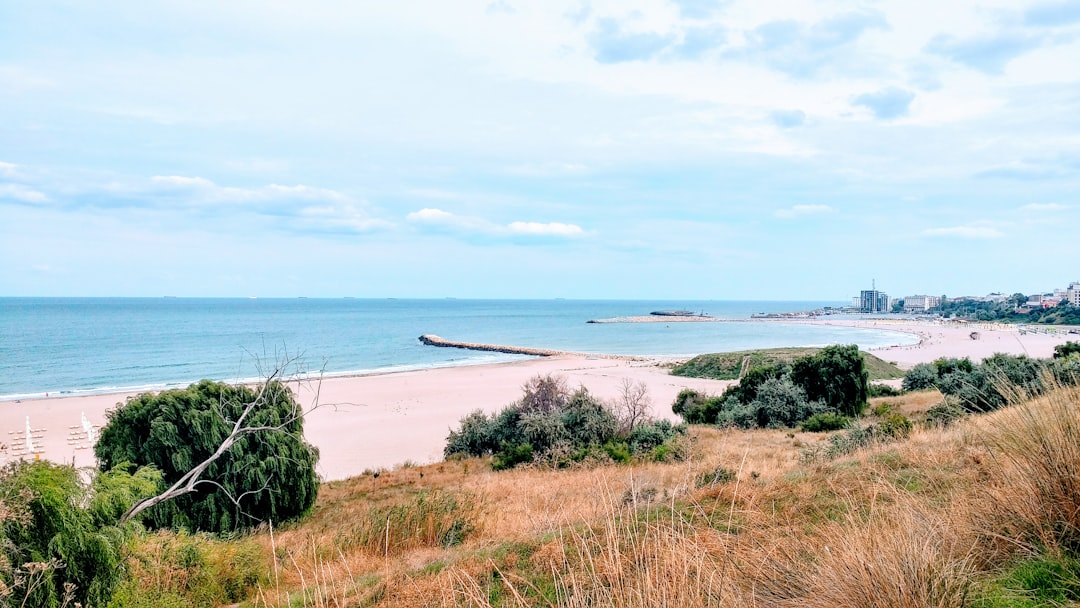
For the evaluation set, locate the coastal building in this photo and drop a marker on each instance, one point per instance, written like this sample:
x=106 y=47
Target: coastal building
x=918 y=303
x=1072 y=294
x=872 y=300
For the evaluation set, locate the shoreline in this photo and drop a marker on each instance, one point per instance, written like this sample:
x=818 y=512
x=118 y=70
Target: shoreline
x=382 y=419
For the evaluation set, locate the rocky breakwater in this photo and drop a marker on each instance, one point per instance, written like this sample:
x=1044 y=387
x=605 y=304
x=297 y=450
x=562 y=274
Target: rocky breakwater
x=433 y=340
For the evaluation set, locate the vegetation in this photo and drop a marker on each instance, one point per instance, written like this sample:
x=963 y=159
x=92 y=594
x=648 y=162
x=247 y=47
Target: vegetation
x=1007 y=311
x=555 y=426
x=58 y=540
x=831 y=380
x=267 y=475
x=731 y=366
x=993 y=382
x=1064 y=351
x=980 y=513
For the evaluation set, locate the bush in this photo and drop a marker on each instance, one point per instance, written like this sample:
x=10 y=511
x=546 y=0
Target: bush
x=883 y=390
x=49 y=538
x=944 y=414
x=836 y=376
x=1064 y=351
x=718 y=476
x=558 y=428
x=175 y=430
x=697 y=408
x=921 y=377
x=824 y=422
x=780 y=403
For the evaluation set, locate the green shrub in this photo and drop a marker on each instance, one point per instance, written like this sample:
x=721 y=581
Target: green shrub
x=175 y=430
x=824 y=422
x=944 y=413
x=718 y=476
x=921 y=377
x=836 y=376
x=883 y=390
x=49 y=538
x=894 y=426
x=555 y=427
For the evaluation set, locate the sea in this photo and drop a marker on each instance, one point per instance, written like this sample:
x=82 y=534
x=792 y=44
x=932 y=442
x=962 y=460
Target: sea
x=74 y=346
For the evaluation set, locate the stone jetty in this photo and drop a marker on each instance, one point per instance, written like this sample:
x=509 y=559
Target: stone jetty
x=433 y=340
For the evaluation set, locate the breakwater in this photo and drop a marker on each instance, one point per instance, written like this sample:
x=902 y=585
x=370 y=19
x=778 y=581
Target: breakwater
x=433 y=340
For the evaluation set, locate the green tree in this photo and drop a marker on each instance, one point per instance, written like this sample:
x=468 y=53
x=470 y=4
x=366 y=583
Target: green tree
x=230 y=456
x=921 y=377
x=836 y=376
x=1062 y=351
x=58 y=541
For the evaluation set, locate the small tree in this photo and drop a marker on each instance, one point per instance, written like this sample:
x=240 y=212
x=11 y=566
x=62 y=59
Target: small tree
x=920 y=377
x=836 y=376
x=230 y=456
x=632 y=407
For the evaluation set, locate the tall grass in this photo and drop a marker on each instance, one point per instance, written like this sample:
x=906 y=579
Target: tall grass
x=1036 y=449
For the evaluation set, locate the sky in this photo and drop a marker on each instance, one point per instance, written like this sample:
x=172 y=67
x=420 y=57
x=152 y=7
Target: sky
x=682 y=149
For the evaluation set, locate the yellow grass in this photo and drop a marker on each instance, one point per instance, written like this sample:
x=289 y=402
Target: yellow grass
x=914 y=523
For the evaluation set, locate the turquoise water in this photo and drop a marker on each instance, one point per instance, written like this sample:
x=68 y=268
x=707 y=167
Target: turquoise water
x=84 y=345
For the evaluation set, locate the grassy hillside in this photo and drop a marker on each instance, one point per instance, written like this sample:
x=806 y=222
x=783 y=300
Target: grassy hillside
x=982 y=513
x=729 y=366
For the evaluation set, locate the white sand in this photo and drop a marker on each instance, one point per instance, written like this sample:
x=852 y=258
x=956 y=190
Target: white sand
x=368 y=422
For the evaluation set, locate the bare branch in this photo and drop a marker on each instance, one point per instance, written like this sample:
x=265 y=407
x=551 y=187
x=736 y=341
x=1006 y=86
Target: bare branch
x=193 y=478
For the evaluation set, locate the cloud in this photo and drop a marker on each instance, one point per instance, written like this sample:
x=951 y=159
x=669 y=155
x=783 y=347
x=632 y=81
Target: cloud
x=699 y=9
x=611 y=44
x=964 y=232
x=802 y=210
x=445 y=221
x=201 y=190
x=788 y=119
x=1053 y=14
x=989 y=54
x=696 y=41
x=22 y=194
x=8 y=169
x=1039 y=207
x=886 y=104
x=1034 y=170
x=800 y=49
x=549 y=229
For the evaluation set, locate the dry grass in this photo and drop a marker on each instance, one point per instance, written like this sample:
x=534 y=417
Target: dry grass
x=916 y=523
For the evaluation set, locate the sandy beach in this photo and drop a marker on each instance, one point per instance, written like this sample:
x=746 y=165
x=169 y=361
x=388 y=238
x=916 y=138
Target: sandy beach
x=379 y=421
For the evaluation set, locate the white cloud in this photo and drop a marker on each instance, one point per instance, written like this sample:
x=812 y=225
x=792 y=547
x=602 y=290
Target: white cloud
x=479 y=226
x=549 y=229
x=1044 y=207
x=965 y=232
x=7 y=168
x=802 y=210
x=22 y=193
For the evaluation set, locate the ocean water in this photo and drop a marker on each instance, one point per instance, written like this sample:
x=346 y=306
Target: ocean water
x=87 y=345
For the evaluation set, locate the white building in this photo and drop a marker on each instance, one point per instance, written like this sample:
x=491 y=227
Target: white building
x=1072 y=294
x=921 y=303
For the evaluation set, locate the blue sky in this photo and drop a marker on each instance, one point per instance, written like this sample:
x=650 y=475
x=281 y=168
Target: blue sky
x=690 y=149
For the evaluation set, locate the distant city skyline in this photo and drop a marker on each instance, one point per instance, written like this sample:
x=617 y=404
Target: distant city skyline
x=690 y=149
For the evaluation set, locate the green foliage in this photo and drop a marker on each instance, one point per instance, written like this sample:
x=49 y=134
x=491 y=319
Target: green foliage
x=181 y=569
x=49 y=538
x=1042 y=581
x=824 y=422
x=894 y=426
x=718 y=476
x=836 y=376
x=1007 y=311
x=557 y=427
x=882 y=390
x=920 y=377
x=272 y=470
x=729 y=366
x=1062 y=351
x=944 y=414
x=831 y=379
